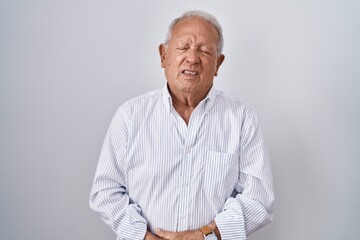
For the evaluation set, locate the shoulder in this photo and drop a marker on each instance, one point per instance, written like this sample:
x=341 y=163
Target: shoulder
x=138 y=104
x=234 y=105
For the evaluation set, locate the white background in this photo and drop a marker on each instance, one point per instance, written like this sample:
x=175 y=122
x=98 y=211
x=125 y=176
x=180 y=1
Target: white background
x=65 y=67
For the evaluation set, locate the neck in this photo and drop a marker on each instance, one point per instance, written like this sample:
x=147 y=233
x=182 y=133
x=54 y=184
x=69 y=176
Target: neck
x=185 y=103
x=187 y=99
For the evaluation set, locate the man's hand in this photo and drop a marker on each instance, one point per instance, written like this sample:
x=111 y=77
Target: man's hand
x=185 y=235
x=150 y=236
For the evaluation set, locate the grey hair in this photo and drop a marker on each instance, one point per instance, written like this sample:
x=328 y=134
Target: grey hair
x=203 y=15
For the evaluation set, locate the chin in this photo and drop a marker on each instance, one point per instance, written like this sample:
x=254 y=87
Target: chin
x=187 y=88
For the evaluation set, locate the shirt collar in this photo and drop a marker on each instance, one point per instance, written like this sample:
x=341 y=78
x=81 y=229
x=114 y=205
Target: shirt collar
x=166 y=97
x=209 y=99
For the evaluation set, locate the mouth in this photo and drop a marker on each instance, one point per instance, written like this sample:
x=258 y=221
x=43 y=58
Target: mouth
x=190 y=73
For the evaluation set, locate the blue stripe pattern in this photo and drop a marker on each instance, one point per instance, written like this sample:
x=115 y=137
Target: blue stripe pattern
x=156 y=171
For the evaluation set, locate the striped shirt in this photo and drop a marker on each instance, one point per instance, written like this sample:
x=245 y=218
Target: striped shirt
x=156 y=171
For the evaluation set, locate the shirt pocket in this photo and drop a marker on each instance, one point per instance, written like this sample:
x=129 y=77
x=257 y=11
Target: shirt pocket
x=221 y=173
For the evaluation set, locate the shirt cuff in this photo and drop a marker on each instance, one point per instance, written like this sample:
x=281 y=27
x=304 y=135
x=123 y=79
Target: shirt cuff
x=134 y=226
x=230 y=221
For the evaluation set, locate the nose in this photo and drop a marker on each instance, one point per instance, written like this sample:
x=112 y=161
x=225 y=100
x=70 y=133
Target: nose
x=193 y=56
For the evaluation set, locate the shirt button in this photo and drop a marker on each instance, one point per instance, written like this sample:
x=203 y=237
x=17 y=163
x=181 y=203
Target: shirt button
x=187 y=150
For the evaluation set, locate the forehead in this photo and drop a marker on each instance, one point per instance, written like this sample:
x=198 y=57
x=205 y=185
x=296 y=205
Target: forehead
x=195 y=27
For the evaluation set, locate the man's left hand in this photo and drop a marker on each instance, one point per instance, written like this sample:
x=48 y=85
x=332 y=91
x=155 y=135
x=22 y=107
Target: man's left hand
x=185 y=235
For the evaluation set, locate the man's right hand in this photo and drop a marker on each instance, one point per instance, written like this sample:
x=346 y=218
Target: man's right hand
x=150 y=236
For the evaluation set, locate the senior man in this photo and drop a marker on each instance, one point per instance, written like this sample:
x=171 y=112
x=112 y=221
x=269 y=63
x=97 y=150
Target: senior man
x=186 y=161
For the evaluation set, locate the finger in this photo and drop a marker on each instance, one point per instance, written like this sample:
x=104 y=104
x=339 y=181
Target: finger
x=164 y=234
x=159 y=232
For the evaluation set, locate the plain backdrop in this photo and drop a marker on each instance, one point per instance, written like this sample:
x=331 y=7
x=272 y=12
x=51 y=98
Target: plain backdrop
x=65 y=67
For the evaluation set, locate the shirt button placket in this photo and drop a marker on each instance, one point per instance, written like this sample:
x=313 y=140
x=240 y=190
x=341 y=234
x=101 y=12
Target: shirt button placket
x=184 y=218
x=186 y=189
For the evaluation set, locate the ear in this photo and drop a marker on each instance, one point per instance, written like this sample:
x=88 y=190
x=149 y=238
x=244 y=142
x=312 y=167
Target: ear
x=162 y=52
x=220 y=60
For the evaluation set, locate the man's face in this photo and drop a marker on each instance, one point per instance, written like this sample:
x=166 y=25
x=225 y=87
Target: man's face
x=191 y=59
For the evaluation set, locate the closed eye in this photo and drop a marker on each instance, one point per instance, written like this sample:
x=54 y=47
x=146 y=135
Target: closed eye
x=205 y=52
x=182 y=48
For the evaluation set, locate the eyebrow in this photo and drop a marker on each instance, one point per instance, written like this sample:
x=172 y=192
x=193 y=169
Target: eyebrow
x=199 y=45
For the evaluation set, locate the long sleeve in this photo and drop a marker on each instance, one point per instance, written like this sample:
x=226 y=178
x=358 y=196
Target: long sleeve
x=109 y=194
x=250 y=208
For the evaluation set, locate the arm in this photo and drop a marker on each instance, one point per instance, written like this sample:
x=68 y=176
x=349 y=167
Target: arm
x=109 y=194
x=151 y=236
x=251 y=207
x=188 y=235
